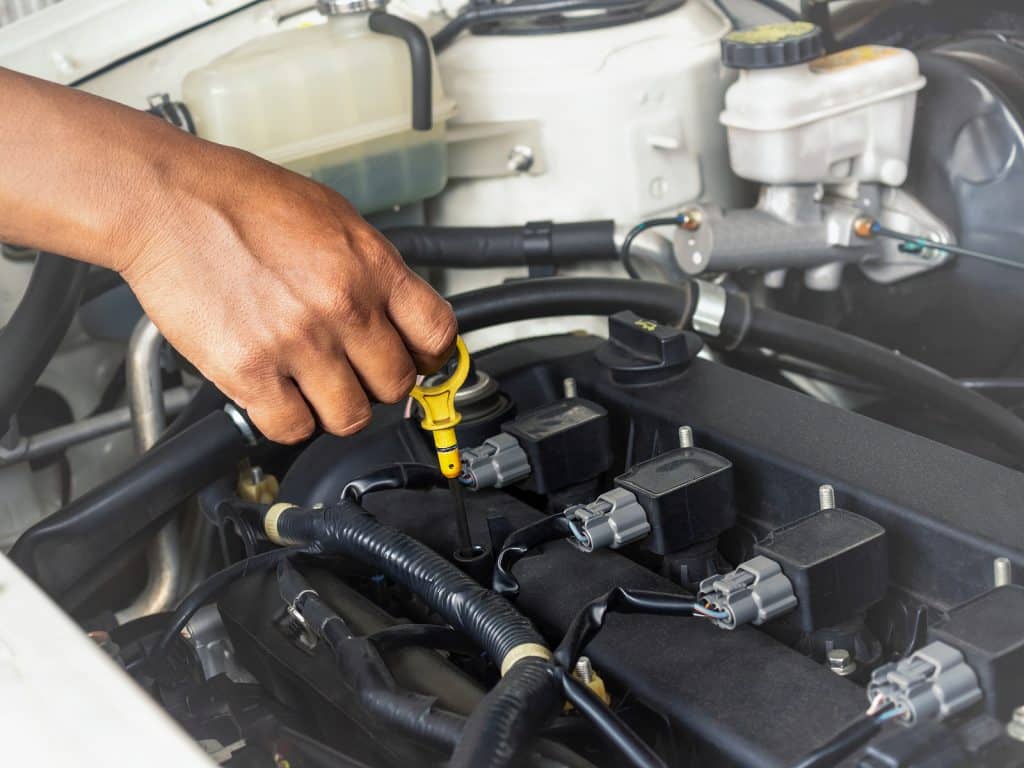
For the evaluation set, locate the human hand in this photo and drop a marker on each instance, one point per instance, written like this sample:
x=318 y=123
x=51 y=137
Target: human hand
x=279 y=292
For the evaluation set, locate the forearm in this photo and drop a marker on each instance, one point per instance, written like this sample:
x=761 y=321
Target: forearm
x=80 y=175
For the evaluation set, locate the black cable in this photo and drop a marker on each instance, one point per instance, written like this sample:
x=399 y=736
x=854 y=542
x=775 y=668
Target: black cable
x=589 y=621
x=776 y=6
x=212 y=587
x=408 y=476
x=917 y=244
x=518 y=544
x=636 y=752
x=627 y=243
x=843 y=744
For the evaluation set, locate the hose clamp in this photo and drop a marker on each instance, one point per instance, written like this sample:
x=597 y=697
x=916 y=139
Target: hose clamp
x=710 y=308
x=241 y=421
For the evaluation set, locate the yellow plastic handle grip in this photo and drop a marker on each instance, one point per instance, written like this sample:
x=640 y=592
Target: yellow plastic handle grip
x=439 y=415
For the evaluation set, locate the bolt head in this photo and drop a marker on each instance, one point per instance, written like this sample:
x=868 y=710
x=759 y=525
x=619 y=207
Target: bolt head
x=841 y=662
x=1015 y=728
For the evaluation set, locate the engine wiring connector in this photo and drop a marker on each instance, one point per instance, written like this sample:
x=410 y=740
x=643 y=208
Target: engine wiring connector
x=497 y=462
x=933 y=683
x=439 y=415
x=613 y=520
x=755 y=592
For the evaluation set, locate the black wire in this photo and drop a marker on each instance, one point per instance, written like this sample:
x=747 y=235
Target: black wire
x=780 y=8
x=844 y=743
x=610 y=725
x=920 y=243
x=211 y=587
x=627 y=244
x=591 y=618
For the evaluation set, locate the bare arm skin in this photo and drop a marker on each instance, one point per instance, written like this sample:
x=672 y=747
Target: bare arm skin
x=270 y=284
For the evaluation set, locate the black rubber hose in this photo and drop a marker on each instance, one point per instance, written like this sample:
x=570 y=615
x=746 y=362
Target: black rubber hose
x=480 y=14
x=510 y=717
x=504 y=724
x=64 y=552
x=903 y=376
x=407 y=475
x=566 y=296
x=843 y=744
x=38 y=325
x=416 y=41
x=542 y=243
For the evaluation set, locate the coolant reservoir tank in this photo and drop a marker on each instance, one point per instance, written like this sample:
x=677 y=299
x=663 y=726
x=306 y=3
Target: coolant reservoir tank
x=332 y=101
x=795 y=116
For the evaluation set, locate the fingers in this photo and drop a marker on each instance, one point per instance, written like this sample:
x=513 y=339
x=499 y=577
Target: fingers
x=381 y=361
x=279 y=412
x=424 y=321
x=336 y=394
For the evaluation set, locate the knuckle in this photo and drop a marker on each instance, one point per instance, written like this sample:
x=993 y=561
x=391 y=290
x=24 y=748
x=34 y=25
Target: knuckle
x=397 y=388
x=348 y=422
x=438 y=333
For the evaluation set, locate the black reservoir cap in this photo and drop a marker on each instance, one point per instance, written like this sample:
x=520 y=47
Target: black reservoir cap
x=773 y=45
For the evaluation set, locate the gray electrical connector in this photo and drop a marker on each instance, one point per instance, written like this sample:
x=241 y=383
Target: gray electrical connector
x=752 y=594
x=612 y=520
x=495 y=463
x=930 y=684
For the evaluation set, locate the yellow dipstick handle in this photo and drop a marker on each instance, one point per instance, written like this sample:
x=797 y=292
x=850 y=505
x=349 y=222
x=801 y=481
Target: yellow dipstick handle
x=440 y=416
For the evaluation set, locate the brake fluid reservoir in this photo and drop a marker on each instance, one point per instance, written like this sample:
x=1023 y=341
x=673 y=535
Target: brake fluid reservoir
x=333 y=101
x=795 y=116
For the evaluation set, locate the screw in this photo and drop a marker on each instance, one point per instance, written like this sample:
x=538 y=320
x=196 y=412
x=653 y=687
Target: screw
x=584 y=670
x=520 y=158
x=685 y=437
x=569 y=388
x=826 y=497
x=1002 y=571
x=1015 y=728
x=256 y=475
x=841 y=662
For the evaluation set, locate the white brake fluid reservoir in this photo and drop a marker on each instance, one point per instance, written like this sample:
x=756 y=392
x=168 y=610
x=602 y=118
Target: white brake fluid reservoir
x=619 y=123
x=332 y=101
x=842 y=117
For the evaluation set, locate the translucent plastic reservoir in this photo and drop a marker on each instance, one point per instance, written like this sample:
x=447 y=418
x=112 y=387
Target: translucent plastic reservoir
x=332 y=101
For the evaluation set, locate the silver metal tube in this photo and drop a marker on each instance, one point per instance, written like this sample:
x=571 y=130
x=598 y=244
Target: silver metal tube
x=61 y=438
x=145 y=401
x=1002 y=571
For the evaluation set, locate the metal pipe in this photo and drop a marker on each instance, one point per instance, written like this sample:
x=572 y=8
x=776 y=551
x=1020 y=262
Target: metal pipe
x=146 y=404
x=68 y=435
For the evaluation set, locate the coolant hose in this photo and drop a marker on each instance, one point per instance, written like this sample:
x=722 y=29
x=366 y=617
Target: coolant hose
x=903 y=376
x=541 y=243
x=567 y=296
x=69 y=552
x=523 y=701
x=35 y=330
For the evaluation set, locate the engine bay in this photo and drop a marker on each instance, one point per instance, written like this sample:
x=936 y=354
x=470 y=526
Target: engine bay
x=725 y=469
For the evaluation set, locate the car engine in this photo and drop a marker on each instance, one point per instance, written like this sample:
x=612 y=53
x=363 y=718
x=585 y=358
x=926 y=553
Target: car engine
x=726 y=468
